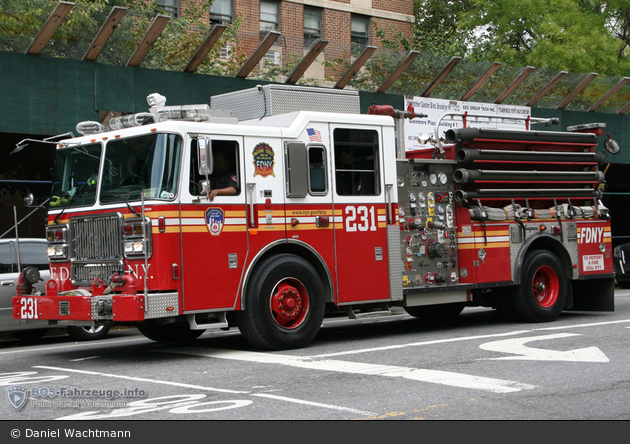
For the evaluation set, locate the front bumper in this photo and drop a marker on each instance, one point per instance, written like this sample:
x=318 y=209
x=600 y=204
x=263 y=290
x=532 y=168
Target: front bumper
x=113 y=307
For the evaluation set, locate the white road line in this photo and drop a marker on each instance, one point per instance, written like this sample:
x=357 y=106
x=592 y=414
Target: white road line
x=152 y=381
x=314 y=404
x=197 y=387
x=84 y=359
x=465 y=338
x=38 y=349
x=593 y=324
x=424 y=375
x=417 y=344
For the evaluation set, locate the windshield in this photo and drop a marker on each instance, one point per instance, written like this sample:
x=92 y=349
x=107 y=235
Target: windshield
x=148 y=163
x=75 y=176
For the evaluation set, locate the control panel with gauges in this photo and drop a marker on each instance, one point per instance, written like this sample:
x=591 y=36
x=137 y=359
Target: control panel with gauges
x=426 y=214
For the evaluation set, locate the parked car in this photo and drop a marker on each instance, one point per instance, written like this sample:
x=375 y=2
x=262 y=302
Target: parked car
x=32 y=253
x=621 y=260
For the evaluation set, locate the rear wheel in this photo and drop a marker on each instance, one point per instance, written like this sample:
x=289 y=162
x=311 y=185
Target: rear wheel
x=175 y=332
x=543 y=290
x=284 y=304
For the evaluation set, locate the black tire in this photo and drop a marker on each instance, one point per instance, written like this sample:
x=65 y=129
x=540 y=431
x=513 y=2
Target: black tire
x=175 y=332
x=268 y=324
x=30 y=335
x=440 y=313
x=91 y=333
x=624 y=285
x=542 y=295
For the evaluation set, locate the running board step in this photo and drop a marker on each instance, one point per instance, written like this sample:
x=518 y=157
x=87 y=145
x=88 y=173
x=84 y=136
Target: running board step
x=378 y=312
x=219 y=322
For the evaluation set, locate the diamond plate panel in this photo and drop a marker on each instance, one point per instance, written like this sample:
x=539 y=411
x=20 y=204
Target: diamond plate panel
x=396 y=265
x=270 y=100
x=158 y=303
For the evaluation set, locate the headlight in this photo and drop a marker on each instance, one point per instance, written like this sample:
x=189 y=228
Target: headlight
x=57 y=237
x=134 y=244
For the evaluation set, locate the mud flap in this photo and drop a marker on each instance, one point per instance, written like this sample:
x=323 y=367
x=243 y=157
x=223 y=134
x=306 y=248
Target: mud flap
x=594 y=294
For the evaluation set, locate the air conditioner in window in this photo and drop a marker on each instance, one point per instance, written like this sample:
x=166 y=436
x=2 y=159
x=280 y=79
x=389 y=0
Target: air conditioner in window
x=273 y=57
x=226 y=51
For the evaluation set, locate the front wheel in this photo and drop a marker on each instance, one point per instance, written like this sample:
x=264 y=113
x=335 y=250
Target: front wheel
x=284 y=304
x=90 y=333
x=543 y=290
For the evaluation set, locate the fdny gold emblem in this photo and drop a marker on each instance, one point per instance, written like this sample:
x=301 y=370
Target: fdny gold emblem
x=263 y=160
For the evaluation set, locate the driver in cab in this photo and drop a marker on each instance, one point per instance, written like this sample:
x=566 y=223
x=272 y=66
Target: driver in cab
x=223 y=180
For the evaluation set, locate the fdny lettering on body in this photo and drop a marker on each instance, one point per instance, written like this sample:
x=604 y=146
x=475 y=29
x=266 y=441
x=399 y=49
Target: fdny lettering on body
x=214 y=220
x=263 y=160
x=591 y=235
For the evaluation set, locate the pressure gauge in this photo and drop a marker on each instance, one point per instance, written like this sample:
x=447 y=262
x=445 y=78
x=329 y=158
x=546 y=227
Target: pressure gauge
x=433 y=179
x=443 y=178
x=422 y=197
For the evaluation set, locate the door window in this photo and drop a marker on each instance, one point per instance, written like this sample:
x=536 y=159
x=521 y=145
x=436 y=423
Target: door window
x=356 y=161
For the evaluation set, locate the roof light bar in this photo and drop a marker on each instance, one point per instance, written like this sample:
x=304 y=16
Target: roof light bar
x=90 y=127
x=195 y=113
x=139 y=119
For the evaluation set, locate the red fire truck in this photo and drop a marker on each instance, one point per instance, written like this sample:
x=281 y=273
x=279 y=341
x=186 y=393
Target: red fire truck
x=276 y=206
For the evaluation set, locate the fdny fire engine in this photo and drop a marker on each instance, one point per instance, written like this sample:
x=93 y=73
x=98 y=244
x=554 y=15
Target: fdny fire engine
x=273 y=207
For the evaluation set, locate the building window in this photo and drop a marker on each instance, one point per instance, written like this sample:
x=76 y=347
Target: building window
x=170 y=7
x=221 y=12
x=269 y=18
x=312 y=26
x=359 y=33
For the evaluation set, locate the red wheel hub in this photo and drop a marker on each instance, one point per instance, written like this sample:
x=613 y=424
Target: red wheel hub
x=546 y=286
x=289 y=303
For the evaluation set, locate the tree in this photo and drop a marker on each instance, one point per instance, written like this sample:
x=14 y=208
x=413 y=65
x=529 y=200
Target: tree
x=572 y=35
x=438 y=29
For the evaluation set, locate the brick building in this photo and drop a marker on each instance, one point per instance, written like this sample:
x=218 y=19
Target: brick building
x=347 y=25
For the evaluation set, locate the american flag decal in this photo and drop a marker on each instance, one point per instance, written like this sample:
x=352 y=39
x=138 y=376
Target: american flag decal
x=314 y=135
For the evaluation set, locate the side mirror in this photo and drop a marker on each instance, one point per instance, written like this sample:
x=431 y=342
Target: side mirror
x=29 y=199
x=205 y=156
x=612 y=146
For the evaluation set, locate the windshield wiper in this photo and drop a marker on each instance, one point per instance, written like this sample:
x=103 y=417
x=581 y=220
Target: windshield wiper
x=114 y=193
x=69 y=201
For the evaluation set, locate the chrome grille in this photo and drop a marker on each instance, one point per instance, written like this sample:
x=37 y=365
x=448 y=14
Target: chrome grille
x=95 y=238
x=97 y=248
x=87 y=272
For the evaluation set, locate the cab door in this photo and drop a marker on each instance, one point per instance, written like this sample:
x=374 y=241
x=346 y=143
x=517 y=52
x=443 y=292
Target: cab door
x=359 y=195
x=213 y=232
x=309 y=212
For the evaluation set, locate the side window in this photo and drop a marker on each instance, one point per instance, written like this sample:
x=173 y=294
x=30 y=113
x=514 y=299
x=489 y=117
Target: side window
x=356 y=161
x=224 y=167
x=317 y=170
x=34 y=254
x=6 y=264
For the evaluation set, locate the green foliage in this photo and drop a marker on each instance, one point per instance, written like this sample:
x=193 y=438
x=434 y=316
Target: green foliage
x=570 y=35
x=21 y=20
x=438 y=29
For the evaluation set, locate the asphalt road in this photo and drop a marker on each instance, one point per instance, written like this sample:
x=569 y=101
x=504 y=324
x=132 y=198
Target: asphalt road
x=478 y=367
